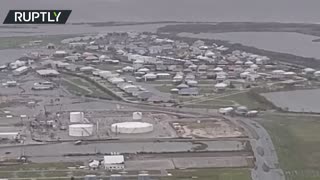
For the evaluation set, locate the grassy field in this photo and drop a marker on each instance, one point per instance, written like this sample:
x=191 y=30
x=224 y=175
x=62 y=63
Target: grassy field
x=297 y=141
x=6 y=174
x=219 y=102
x=55 y=174
x=165 y=88
x=94 y=90
x=211 y=104
x=74 y=88
x=28 y=174
x=42 y=166
x=82 y=87
x=246 y=99
x=201 y=174
x=80 y=82
x=210 y=174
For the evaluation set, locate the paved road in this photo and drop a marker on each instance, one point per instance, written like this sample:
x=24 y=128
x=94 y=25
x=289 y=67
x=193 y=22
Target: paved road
x=56 y=152
x=267 y=164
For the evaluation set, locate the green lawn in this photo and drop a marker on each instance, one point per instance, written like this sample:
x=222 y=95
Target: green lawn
x=297 y=141
x=28 y=174
x=55 y=174
x=210 y=174
x=80 y=82
x=165 y=88
x=211 y=104
x=40 y=166
x=206 y=89
x=74 y=88
x=6 y=174
x=218 y=102
x=246 y=99
x=95 y=91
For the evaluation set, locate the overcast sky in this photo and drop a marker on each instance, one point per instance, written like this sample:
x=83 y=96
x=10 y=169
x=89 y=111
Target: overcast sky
x=181 y=10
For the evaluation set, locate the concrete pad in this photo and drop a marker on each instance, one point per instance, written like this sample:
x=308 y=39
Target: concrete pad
x=149 y=164
x=206 y=162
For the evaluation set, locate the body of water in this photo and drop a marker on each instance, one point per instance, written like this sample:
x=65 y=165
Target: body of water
x=10 y=55
x=297 y=101
x=284 y=42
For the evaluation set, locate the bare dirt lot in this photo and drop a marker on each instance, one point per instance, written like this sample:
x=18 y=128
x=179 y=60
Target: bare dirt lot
x=208 y=128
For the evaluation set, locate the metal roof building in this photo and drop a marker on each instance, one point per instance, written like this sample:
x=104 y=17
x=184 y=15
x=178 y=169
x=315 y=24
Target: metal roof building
x=48 y=72
x=113 y=162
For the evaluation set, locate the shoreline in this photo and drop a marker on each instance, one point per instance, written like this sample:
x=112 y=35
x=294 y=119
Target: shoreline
x=171 y=29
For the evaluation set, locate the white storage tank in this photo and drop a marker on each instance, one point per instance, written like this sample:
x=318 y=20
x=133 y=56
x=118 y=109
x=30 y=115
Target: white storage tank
x=80 y=130
x=131 y=127
x=136 y=116
x=76 y=117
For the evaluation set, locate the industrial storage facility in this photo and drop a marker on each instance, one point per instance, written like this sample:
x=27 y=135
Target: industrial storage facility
x=80 y=130
x=131 y=127
x=76 y=117
x=136 y=116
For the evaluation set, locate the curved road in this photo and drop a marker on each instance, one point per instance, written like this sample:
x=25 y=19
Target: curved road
x=267 y=164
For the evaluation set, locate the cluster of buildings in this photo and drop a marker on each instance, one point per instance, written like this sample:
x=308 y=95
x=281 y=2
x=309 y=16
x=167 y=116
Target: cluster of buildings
x=143 y=57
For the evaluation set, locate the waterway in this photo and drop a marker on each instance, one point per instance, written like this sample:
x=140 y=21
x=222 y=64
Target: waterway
x=284 y=42
x=297 y=101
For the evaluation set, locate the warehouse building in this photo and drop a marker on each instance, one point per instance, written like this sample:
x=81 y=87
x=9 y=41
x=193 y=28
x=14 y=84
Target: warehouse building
x=113 y=162
x=48 y=72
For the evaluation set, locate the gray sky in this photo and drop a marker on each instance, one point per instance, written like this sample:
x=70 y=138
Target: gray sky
x=181 y=10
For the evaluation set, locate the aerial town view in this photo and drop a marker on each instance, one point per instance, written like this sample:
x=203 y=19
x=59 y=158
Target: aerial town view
x=119 y=92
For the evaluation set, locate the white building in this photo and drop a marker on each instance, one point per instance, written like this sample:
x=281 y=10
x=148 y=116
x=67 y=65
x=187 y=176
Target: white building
x=48 y=72
x=220 y=87
x=178 y=77
x=309 y=70
x=116 y=80
x=192 y=83
x=278 y=74
x=17 y=64
x=150 y=77
x=316 y=74
x=114 y=162
x=87 y=69
x=131 y=128
x=60 y=54
x=10 y=135
x=218 y=69
x=289 y=74
x=163 y=75
x=226 y=110
x=128 y=69
x=21 y=70
x=80 y=130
